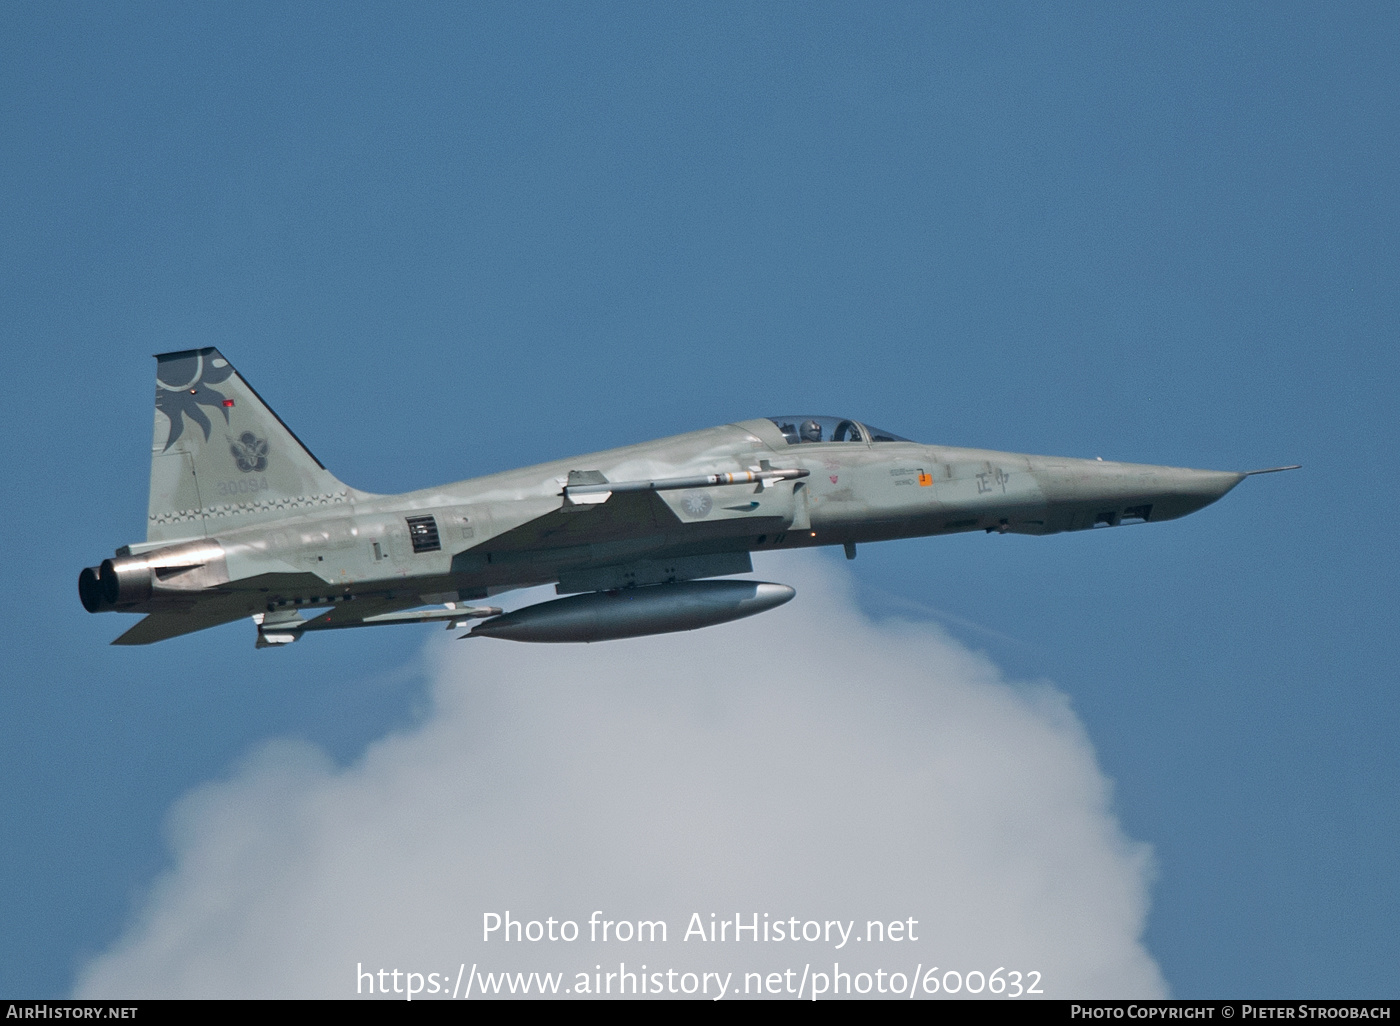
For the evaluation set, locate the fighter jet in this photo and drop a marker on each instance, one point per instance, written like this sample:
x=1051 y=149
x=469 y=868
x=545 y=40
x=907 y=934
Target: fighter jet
x=244 y=522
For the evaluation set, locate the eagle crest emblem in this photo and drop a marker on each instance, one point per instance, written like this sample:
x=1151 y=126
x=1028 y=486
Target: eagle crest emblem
x=249 y=451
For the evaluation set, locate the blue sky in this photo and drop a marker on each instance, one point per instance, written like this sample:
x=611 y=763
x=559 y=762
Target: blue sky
x=455 y=240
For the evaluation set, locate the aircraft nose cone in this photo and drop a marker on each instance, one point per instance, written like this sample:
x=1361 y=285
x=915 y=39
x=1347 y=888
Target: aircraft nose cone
x=1211 y=484
x=1185 y=491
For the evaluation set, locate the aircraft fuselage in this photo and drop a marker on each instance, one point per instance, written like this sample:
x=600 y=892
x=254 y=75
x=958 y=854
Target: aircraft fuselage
x=251 y=524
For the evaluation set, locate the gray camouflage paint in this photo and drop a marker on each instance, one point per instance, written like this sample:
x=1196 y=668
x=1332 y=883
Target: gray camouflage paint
x=302 y=540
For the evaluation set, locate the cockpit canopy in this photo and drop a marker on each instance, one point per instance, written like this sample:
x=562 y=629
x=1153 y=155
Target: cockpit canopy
x=808 y=429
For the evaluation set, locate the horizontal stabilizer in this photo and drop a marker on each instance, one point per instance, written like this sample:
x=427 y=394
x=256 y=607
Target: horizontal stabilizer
x=161 y=626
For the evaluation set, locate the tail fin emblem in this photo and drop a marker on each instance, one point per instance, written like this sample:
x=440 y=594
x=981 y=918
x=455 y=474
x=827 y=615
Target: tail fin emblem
x=250 y=452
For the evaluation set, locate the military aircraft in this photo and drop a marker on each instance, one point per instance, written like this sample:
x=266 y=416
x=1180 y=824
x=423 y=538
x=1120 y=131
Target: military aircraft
x=244 y=522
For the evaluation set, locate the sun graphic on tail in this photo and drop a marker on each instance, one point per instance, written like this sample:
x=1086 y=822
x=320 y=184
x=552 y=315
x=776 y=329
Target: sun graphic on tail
x=182 y=387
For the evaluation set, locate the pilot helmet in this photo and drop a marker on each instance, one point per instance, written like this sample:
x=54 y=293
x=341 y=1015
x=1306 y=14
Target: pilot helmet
x=811 y=431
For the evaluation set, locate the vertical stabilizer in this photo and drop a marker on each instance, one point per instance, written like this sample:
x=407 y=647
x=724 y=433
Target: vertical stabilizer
x=220 y=457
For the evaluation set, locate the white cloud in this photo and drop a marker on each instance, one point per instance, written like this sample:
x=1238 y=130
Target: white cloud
x=805 y=763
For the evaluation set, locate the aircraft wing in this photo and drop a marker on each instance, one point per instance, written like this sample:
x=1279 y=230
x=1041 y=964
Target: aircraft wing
x=350 y=614
x=624 y=516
